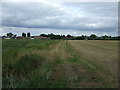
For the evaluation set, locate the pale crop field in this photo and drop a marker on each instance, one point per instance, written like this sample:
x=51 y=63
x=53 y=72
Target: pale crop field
x=59 y=64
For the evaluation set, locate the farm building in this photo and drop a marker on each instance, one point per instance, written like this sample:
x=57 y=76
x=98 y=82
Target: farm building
x=20 y=37
x=40 y=37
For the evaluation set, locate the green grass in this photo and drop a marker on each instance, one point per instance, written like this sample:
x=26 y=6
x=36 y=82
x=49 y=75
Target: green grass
x=19 y=61
x=24 y=69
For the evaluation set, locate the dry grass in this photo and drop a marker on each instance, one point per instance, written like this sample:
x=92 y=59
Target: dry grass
x=103 y=53
x=92 y=50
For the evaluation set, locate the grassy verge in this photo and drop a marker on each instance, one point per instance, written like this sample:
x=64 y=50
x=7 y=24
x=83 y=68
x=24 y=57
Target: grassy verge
x=20 y=62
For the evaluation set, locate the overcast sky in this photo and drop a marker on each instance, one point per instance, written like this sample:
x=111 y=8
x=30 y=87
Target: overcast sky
x=75 y=18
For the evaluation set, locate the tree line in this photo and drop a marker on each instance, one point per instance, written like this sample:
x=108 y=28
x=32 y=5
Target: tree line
x=53 y=36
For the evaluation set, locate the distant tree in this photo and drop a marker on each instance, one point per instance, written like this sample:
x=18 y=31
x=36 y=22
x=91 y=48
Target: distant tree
x=15 y=36
x=58 y=36
x=28 y=34
x=110 y=37
x=118 y=37
x=51 y=35
x=106 y=37
x=68 y=35
x=9 y=34
x=82 y=37
x=93 y=36
x=63 y=35
x=3 y=36
x=23 y=34
x=85 y=37
x=43 y=35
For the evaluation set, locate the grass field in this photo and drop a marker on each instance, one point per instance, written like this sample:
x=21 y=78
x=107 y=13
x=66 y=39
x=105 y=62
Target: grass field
x=59 y=64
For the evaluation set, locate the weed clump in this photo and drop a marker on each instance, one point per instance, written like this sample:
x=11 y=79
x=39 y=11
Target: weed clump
x=20 y=71
x=28 y=63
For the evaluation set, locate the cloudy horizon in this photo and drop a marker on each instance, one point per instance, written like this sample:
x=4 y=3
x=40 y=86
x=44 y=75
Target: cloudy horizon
x=75 y=18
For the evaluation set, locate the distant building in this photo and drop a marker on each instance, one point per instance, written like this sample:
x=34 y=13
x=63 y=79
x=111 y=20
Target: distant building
x=41 y=37
x=31 y=38
x=20 y=37
x=44 y=37
x=37 y=37
x=6 y=38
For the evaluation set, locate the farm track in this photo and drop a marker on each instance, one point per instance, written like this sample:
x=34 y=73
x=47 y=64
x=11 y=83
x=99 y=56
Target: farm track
x=103 y=56
x=65 y=70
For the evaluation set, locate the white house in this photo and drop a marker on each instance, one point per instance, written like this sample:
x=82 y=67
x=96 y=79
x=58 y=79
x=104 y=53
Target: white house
x=7 y=38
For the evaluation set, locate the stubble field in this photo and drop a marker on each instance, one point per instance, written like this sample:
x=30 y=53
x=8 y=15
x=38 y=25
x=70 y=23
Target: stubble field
x=59 y=63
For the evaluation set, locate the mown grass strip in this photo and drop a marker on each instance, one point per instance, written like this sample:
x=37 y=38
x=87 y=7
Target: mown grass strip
x=90 y=67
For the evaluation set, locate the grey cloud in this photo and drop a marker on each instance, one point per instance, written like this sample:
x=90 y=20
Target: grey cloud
x=107 y=9
x=64 y=16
